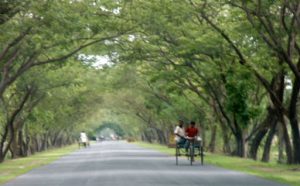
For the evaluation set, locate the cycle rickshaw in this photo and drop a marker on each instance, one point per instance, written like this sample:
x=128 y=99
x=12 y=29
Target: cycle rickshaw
x=195 y=149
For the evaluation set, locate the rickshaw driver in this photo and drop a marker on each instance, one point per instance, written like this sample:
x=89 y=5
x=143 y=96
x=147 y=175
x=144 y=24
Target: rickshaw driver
x=191 y=134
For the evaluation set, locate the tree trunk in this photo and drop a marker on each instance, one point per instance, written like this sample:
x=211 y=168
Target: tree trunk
x=286 y=137
x=245 y=134
x=240 y=139
x=147 y=137
x=256 y=142
x=212 y=144
x=268 y=144
x=26 y=146
x=21 y=143
x=44 y=145
x=226 y=140
x=160 y=135
x=294 y=121
x=14 y=146
x=2 y=156
x=26 y=142
x=38 y=144
x=226 y=144
x=262 y=131
x=240 y=144
x=280 y=143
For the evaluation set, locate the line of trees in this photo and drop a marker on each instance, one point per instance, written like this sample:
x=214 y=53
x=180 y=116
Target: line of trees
x=46 y=89
x=234 y=64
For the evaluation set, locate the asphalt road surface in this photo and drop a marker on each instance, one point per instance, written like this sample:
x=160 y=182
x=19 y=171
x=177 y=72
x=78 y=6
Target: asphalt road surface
x=123 y=164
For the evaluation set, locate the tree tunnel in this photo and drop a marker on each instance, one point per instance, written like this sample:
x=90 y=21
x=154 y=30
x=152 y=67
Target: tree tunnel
x=109 y=129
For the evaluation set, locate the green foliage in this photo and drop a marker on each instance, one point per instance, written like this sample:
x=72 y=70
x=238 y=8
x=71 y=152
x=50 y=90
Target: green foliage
x=238 y=89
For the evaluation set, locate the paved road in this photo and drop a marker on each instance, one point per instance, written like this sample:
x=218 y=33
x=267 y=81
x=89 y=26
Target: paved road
x=123 y=164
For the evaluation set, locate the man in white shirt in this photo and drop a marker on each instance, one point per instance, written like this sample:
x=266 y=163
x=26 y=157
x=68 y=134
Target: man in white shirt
x=83 y=138
x=180 y=133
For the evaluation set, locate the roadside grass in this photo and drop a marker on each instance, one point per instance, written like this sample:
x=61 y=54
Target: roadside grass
x=10 y=169
x=286 y=174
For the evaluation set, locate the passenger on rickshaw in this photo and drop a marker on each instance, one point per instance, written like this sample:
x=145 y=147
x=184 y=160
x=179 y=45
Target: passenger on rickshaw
x=180 y=134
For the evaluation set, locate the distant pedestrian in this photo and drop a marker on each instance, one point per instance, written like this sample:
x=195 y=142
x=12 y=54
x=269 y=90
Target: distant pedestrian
x=83 y=139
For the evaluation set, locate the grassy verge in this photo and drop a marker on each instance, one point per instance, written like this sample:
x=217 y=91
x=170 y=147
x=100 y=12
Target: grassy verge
x=13 y=168
x=287 y=174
